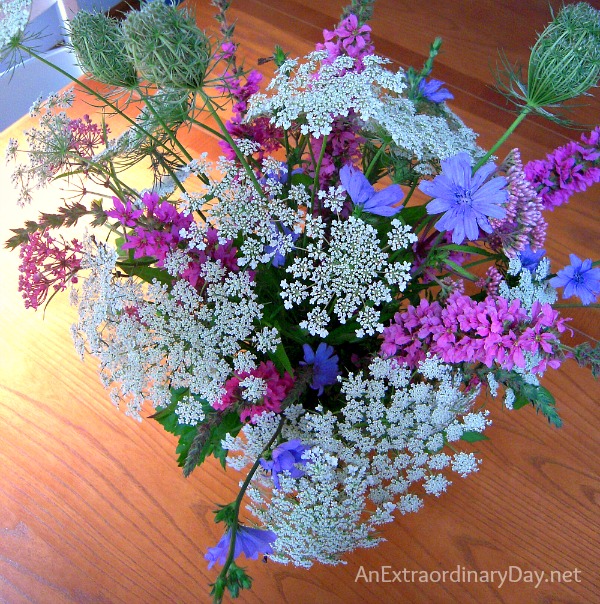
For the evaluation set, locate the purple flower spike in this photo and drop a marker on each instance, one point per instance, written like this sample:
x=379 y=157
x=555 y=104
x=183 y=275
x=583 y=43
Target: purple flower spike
x=579 y=279
x=249 y=541
x=325 y=366
x=284 y=459
x=433 y=91
x=466 y=200
x=364 y=195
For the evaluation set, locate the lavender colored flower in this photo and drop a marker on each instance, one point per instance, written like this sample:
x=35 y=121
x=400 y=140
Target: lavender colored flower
x=467 y=200
x=284 y=459
x=364 y=195
x=325 y=366
x=579 y=279
x=530 y=260
x=249 y=541
x=433 y=91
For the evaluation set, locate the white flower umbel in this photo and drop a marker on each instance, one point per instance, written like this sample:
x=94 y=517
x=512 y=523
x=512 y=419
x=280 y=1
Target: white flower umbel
x=165 y=337
x=315 y=94
x=532 y=287
x=14 y=15
x=381 y=453
x=344 y=265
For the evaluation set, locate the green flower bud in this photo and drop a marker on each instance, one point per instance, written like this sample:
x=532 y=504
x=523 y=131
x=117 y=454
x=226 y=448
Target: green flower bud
x=565 y=60
x=98 y=44
x=166 y=46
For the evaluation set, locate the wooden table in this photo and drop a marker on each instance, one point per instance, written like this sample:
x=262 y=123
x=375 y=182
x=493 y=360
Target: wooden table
x=95 y=509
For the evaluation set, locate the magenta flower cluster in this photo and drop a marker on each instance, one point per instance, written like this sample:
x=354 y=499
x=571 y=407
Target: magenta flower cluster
x=348 y=38
x=157 y=226
x=259 y=130
x=569 y=169
x=47 y=264
x=494 y=331
x=277 y=388
x=225 y=253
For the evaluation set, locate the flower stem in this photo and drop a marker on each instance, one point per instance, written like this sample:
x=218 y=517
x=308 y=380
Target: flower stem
x=524 y=113
x=231 y=142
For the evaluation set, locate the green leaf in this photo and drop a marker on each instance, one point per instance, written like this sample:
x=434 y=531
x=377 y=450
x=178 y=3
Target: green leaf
x=148 y=273
x=468 y=249
x=460 y=270
x=281 y=360
x=471 y=436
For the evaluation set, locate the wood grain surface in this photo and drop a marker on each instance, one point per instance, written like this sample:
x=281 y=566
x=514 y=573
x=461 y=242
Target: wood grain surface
x=94 y=508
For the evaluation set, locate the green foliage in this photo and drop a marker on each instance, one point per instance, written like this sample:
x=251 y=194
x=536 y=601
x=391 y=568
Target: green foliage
x=212 y=431
x=528 y=394
x=235 y=580
x=471 y=436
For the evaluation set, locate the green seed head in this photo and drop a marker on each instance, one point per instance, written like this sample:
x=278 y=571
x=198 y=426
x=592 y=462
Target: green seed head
x=98 y=44
x=565 y=61
x=166 y=46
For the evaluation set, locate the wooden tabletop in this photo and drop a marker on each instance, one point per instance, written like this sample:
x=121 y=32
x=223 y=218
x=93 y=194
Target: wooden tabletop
x=94 y=508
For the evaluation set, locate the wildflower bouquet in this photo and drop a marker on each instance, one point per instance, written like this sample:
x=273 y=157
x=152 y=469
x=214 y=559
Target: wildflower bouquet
x=288 y=307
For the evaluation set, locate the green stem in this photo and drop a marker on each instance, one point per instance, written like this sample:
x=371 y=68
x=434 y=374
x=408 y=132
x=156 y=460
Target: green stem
x=231 y=143
x=374 y=160
x=524 y=113
x=317 y=171
x=413 y=187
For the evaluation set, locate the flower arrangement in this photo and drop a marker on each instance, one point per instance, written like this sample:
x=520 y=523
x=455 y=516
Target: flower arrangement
x=288 y=307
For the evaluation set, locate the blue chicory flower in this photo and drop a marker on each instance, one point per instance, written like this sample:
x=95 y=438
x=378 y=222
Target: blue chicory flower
x=284 y=459
x=249 y=541
x=363 y=194
x=530 y=260
x=325 y=366
x=467 y=200
x=579 y=279
x=433 y=91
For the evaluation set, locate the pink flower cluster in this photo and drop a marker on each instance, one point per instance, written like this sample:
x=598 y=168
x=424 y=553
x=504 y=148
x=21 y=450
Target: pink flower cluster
x=156 y=233
x=277 y=388
x=567 y=170
x=465 y=331
x=225 y=253
x=86 y=136
x=348 y=39
x=47 y=264
x=260 y=130
x=523 y=224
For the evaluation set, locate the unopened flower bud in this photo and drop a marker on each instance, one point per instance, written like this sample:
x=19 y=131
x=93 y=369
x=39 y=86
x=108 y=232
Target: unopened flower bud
x=98 y=44
x=166 y=46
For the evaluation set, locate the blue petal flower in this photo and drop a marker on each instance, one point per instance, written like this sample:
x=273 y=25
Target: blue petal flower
x=284 y=459
x=434 y=92
x=364 y=195
x=530 y=260
x=467 y=200
x=579 y=279
x=325 y=366
x=249 y=541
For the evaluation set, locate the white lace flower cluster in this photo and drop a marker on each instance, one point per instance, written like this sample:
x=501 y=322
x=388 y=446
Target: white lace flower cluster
x=532 y=287
x=381 y=453
x=167 y=337
x=14 y=15
x=267 y=221
x=313 y=94
x=344 y=265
